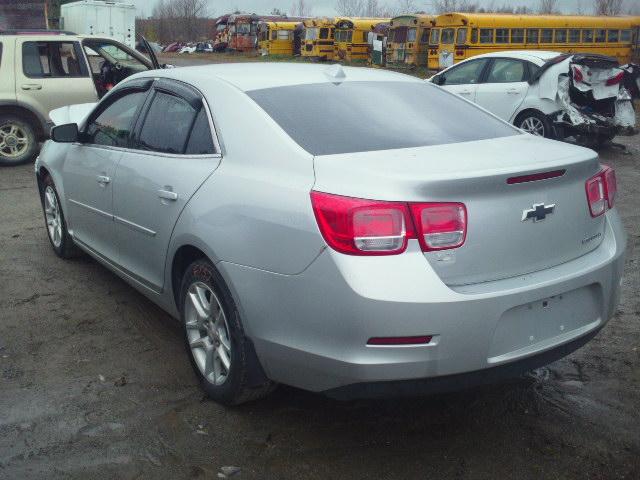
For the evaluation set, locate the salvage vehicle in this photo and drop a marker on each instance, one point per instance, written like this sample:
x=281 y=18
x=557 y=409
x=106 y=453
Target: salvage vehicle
x=356 y=258
x=408 y=41
x=352 y=38
x=42 y=71
x=459 y=36
x=318 y=40
x=276 y=38
x=549 y=94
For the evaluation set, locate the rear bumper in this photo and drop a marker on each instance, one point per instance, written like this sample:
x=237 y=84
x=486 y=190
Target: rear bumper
x=310 y=330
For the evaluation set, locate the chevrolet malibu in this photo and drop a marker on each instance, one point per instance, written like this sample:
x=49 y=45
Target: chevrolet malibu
x=349 y=231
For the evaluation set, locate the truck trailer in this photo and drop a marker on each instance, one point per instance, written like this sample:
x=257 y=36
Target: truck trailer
x=106 y=18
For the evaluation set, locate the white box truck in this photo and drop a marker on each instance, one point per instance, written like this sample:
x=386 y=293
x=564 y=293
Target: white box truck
x=105 y=18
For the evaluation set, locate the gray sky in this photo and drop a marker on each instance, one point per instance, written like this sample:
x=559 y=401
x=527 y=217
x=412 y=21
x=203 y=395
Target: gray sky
x=326 y=7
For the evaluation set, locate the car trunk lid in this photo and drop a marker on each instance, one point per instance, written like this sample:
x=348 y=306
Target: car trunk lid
x=507 y=232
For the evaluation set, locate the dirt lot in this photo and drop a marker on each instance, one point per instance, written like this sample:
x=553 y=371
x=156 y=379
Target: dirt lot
x=94 y=383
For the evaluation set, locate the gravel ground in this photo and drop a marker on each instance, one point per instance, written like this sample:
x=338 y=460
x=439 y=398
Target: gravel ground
x=94 y=382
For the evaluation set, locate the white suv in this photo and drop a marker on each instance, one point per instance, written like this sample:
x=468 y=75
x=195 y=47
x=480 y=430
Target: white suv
x=46 y=70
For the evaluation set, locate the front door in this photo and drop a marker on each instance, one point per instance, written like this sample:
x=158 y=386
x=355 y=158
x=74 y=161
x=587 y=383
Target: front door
x=504 y=87
x=463 y=79
x=52 y=74
x=89 y=171
x=174 y=155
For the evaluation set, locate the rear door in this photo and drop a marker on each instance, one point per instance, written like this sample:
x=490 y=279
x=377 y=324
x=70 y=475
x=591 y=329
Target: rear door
x=463 y=79
x=504 y=86
x=174 y=153
x=51 y=74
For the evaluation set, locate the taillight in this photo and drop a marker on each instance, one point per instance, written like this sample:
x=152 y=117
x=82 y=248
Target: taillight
x=601 y=191
x=357 y=226
x=577 y=75
x=362 y=227
x=440 y=226
x=615 y=79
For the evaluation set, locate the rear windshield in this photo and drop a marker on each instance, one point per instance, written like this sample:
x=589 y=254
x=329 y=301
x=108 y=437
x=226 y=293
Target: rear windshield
x=328 y=118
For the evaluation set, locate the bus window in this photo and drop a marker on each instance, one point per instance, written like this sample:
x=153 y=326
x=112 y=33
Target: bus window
x=612 y=35
x=411 y=34
x=474 y=35
x=574 y=35
x=486 y=35
x=365 y=37
x=547 y=36
x=625 y=36
x=532 y=35
x=517 y=35
x=390 y=35
x=424 y=38
x=600 y=35
x=447 y=36
x=324 y=33
x=561 y=36
x=350 y=36
x=587 y=36
x=283 y=34
x=461 y=36
x=502 y=35
x=434 y=38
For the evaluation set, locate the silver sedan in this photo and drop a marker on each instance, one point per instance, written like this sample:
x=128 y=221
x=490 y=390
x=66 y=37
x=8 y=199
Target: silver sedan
x=352 y=231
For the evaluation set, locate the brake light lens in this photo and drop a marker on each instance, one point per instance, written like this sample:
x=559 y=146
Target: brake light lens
x=362 y=227
x=440 y=226
x=601 y=191
x=356 y=226
x=615 y=79
x=577 y=75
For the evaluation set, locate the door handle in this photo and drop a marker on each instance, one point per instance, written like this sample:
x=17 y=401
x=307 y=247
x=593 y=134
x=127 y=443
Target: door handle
x=32 y=86
x=513 y=91
x=465 y=92
x=103 y=180
x=168 y=195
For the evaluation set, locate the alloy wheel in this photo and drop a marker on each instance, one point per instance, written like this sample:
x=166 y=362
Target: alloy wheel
x=533 y=125
x=53 y=216
x=208 y=333
x=14 y=141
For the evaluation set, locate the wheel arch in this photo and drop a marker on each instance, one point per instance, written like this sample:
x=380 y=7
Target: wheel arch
x=182 y=258
x=39 y=125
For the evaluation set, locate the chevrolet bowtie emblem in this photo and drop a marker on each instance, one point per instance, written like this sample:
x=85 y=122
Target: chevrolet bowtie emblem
x=538 y=213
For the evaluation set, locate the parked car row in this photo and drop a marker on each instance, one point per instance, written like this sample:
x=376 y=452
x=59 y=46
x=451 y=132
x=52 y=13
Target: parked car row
x=435 y=251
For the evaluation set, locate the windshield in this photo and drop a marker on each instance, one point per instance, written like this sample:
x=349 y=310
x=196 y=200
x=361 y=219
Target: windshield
x=447 y=35
x=311 y=34
x=243 y=29
x=327 y=118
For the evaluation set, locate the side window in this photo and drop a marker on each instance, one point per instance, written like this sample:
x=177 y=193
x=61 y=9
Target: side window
x=612 y=35
x=517 y=35
x=486 y=35
x=461 y=36
x=474 y=35
x=324 y=33
x=561 y=36
x=506 y=70
x=160 y=135
x=532 y=35
x=411 y=34
x=502 y=35
x=533 y=69
x=574 y=35
x=200 y=140
x=625 y=36
x=447 y=36
x=547 y=36
x=113 y=125
x=434 y=38
x=601 y=36
x=468 y=72
x=52 y=60
x=587 y=36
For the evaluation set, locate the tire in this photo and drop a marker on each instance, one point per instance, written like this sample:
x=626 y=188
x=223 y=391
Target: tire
x=18 y=141
x=222 y=358
x=536 y=123
x=55 y=222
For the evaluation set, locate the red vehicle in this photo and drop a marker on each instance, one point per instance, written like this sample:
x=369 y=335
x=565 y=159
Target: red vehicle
x=243 y=29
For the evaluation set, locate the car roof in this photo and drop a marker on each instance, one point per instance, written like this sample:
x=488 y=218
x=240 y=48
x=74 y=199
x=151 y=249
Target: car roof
x=256 y=76
x=540 y=55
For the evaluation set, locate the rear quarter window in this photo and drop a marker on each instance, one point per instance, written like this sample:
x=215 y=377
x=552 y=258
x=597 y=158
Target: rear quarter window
x=328 y=118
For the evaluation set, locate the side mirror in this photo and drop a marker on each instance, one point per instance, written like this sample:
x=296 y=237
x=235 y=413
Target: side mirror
x=67 y=133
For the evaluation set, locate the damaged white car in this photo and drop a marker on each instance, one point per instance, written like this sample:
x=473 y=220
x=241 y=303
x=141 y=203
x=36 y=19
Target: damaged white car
x=584 y=96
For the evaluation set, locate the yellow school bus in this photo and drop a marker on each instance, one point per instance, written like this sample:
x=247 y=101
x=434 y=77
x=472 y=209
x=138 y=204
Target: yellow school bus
x=276 y=38
x=318 y=38
x=408 y=40
x=458 y=36
x=352 y=38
